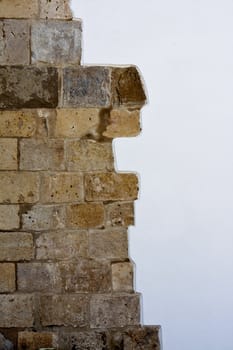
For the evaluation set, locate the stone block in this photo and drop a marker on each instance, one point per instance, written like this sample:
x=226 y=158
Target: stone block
x=108 y=311
x=43 y=218
x=64 y=310
x=17 y=123
x=41 y=154
x=111 y=186
x=16 y=246
x=7 y=277
x=88 y=155
x=19 y=187
x=56 y=9
x=120 y=214
x=123 y=123
x=56 y=42
x=19 y=8
x=109 y=244
x=92 y=340
x=77 y=122
x=62 y=245
x=37 y=340
x=16 y=310
x=8 y=154
x=146 y=338
x=86 y=87
x=14 y=42
x=122 y=277
x=28 y=87
x=9 y=217
x=85 y=215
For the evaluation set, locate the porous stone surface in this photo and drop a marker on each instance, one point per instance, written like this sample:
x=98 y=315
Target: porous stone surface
x=94 y=340
x=19 y=8
x=7 y=278
x=55 y=9
x=18 y=123
x=16 y=310
x=16 y=246
x=120 y=214
x=123 y=123
x=85 y=215
x=37 y=340
x=8 y=154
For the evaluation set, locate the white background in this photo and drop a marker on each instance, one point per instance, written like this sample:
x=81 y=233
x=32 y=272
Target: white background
x=183 y=240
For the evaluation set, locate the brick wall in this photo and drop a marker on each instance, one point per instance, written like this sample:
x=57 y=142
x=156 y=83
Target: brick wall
x=66 y=280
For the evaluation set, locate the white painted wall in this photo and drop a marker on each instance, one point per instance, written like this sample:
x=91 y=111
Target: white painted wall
x=183 y=239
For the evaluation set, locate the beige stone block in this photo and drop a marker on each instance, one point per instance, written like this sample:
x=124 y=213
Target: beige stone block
x=108 y=311
x=62 y=245
x=19 y=8
x=37 y=340
x=89 y=155
x=85 y=215
x=146 y=338
x=55 y=9
x=9 y=217
x=61 y=188
x=41 y=154
x=17 y=123
x=77 y=122
x=8 y=154
x=64 y=310
x=7 y=278
x=122 y=277
x=109 y=244
x=120 y=214
x=111 y=186
x=123 y=123
x=16 y=246
x=16 y=310
x=19 y=187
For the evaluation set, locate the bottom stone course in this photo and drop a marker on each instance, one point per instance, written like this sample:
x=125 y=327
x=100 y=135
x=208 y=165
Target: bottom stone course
x=35 y=341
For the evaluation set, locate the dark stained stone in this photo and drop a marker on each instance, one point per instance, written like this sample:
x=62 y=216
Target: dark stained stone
x=146 y=338
x=83 y=340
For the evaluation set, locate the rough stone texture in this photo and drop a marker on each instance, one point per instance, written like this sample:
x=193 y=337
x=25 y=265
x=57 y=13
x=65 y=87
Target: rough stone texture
x=14 y=42
x=35 y=341
x=111 y=186
x=56 y=42
x=9 y=217
x=41 y=155
x=86 y=87
x=16 y=310
x=8 y=154
x=92 y=340
x=62 y=187
x=17 y=123
x=120 y=214
x=123 y=123
x=55 y=9
x=64 y=310
x=110 y=244
x=108 y=311
x=43 y=218
x=146 y=338
x=62 y=245
x=85 y=215
x=122 y=277
x=7 y=277
x=28 y=87
x=88 y=155
x=19 y=8
x=18 y=187
x=16 y=246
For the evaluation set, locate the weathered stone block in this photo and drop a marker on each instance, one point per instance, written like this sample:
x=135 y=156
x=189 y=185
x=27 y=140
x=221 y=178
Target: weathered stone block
x=111 y=186
x=44 y=217
x=7 y=277
x=37 y=340
x=28 y=87
x=109 y=244
x=17 y=123
x=16 y=246
x=19 y=8
x=9 y=217
x=86 y=87
x=77 y=122
x=120 y=214
x=16 y=310
x=146 y=338
x=122 y=277
x=92 y=340
x=8 y=154
x=88 y=155
x=64 y=310
x=56 y=42
x=85 y=215
x=41 y=154
x=55 y=9
x=62 y=187
x=19 y=187
x=62 y=245
x=123 y=123
x=108 y=311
